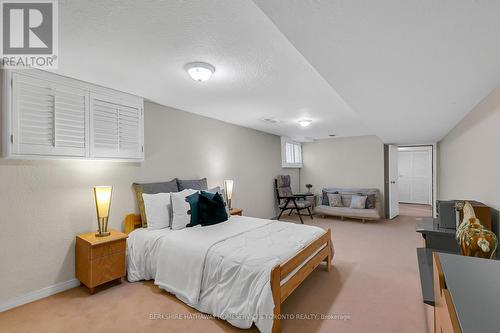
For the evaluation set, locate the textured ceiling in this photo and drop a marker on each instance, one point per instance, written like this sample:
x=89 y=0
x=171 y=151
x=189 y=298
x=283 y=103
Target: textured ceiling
x=142 y=46
x=406 y=71
x=410 y=69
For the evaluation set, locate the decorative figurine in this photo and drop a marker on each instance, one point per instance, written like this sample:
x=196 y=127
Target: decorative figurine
x=474 y=239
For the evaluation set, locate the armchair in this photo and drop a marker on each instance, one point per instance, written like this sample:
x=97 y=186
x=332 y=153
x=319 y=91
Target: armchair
x=289 y=201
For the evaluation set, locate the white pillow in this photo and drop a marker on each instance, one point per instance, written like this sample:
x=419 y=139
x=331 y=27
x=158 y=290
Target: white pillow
x=157 y=208
x=180 y=208
x=357 y=202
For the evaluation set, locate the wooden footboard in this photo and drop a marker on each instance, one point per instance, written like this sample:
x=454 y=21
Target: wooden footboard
x=280 y=272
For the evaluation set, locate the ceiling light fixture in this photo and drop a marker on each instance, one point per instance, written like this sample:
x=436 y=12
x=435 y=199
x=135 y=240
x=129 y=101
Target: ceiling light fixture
x=305 y=122
x=270 y=120
x=199 y=71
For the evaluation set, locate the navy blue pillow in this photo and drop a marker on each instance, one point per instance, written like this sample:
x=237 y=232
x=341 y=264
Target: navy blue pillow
x=211 y=208
x=192 y=200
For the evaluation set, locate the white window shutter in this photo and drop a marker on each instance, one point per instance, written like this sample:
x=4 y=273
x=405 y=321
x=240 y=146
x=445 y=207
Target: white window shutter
x=117 y=128
x=297 y=155
x=48 y=119
x=130 y=129
x=35 y=113
x=48 y=115
x=70 y=118
x=105 y=125
x=291 y=153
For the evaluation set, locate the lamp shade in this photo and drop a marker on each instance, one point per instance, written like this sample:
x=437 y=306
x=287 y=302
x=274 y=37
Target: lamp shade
x=228 y=185
x=102 y=196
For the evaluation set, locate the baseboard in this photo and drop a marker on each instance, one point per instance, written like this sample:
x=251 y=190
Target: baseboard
x=38 y=294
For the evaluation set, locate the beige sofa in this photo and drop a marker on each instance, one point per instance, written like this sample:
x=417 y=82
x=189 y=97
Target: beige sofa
x=363 y=214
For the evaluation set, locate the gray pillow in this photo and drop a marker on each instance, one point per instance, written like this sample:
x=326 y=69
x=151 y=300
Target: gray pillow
x=161 y=187
x=194 y=184
x=358 y=202
x=324 y=197
x=152 y=188
x=335 y=200
x=346 y=198
x=370 y=201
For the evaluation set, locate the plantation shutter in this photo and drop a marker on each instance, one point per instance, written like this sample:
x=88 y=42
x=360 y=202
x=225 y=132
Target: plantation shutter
x=105 y=126
x=70 y=119
x=48 y=118
x=129 y=129
x=117 y=128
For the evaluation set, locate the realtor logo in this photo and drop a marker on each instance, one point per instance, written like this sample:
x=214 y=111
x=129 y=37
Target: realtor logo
x=28 y=34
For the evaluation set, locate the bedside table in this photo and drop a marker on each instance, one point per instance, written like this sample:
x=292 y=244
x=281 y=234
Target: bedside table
x=100 y=259
x=236 y=211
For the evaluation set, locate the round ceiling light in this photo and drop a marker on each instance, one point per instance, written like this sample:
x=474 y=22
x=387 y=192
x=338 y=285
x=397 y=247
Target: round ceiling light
x=305 y=122
x=200 y=71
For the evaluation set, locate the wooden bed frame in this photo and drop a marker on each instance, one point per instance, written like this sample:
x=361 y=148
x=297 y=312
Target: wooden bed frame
x=310 y=257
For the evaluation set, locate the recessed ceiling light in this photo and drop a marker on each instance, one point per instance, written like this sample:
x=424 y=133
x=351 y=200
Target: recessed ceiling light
x=270 y=120
x=305 y=122
x=200 y=71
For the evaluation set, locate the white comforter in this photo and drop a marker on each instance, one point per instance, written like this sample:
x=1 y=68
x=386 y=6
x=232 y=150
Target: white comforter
x=142 y=251
x=223 y=269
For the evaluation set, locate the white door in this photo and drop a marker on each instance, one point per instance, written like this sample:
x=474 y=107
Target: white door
x=393 y=181
x=415 y=175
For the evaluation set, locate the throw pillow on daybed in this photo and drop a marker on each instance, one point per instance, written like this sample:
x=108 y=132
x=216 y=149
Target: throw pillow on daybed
x=358 y=202
x=370 y=201
x=335 y=200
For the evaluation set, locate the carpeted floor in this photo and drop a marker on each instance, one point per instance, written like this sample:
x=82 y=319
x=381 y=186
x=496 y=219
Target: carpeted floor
x=373 y=287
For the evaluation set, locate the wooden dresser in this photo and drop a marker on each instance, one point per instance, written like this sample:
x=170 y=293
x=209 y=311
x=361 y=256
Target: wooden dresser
x=100 y=259
x=445 y=316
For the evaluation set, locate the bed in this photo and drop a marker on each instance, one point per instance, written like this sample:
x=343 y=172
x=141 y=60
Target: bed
x=241 y=270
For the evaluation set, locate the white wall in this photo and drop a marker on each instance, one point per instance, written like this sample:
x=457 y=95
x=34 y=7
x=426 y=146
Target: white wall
x=344 y=162
x=469 y=156
x=44 y=204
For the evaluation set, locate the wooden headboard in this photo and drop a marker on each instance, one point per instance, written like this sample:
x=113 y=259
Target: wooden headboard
x=132 y=222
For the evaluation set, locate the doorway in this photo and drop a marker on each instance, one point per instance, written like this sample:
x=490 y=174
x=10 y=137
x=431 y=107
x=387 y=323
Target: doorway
x=415 y=175
x=415 y=183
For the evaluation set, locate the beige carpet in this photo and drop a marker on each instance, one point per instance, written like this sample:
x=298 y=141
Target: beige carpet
x=374 y=284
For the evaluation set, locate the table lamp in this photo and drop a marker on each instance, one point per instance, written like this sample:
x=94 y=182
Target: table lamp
x=228 y=187
x=102 y=195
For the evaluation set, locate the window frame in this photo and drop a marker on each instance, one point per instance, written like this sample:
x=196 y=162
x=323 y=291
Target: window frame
x=293 y=162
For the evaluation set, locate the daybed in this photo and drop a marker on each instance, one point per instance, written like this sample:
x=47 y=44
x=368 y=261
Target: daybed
x=364 y=214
